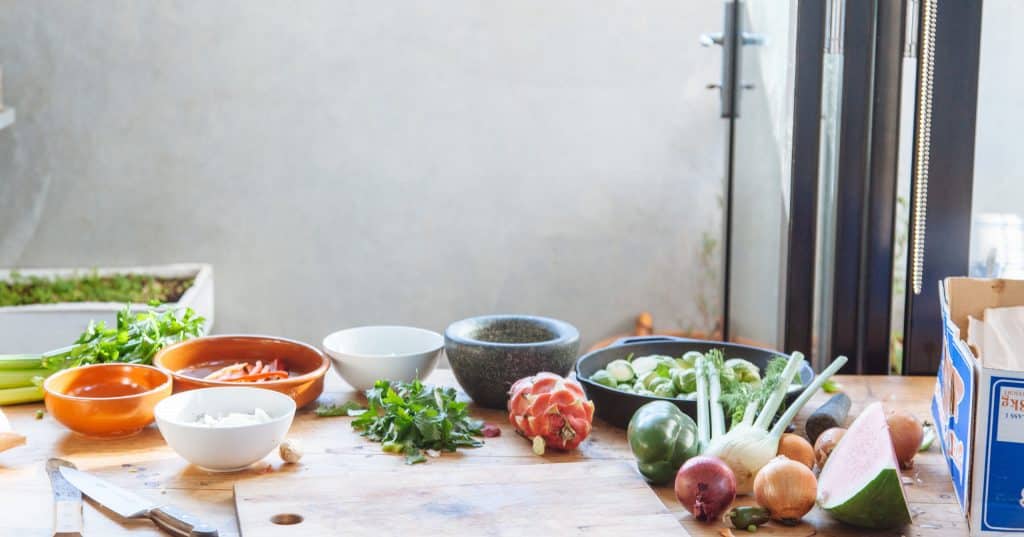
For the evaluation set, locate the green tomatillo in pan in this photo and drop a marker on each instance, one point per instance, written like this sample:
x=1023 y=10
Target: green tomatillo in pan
x=662 y=438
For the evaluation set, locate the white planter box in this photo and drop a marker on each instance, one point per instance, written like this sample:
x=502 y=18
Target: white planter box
x=39 y=328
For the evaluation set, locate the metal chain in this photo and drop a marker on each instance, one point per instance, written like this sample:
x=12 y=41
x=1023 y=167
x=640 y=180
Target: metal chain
x=925 y=77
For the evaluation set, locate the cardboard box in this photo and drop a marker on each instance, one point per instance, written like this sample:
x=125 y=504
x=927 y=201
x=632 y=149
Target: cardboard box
x=979 y=411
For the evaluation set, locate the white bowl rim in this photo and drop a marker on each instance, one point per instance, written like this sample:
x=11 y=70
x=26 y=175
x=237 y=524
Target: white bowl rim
x=290 y=414
x=332 y=350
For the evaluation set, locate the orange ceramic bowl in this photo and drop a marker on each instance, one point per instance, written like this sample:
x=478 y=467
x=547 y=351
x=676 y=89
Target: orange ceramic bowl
x=106 y=400
x=193 y=359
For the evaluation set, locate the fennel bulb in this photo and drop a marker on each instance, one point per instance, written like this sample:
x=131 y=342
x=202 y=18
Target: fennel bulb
x=748 y=447
x=745 y=449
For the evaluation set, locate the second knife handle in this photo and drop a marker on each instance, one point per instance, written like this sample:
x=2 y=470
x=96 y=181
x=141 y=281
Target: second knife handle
x=67 y=518
x=180 y=523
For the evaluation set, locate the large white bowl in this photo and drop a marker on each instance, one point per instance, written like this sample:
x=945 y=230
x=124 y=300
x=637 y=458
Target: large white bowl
x=365 y=354
x=224 y=449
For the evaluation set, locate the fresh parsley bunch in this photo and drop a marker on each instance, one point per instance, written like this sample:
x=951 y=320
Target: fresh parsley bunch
x=410 y=417
x=135 y=339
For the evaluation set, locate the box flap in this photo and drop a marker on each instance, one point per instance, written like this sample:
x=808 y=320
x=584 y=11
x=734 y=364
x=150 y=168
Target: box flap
x=953 y=403
x=971 y=296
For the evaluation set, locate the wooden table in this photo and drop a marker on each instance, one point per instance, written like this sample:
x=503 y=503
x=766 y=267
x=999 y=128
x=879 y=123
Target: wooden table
x=145 y=463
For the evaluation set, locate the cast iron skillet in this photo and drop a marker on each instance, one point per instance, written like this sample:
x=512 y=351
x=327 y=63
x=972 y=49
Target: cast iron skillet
x=617 y=407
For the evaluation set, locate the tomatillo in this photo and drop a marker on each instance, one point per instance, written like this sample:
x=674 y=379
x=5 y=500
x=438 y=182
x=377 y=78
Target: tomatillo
x=662 y=438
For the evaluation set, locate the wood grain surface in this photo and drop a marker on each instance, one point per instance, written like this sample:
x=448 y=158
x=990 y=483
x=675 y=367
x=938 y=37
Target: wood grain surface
x=449 y=499
x=333 y=451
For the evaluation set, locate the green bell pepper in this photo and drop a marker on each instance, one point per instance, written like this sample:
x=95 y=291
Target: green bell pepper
x=662 y=438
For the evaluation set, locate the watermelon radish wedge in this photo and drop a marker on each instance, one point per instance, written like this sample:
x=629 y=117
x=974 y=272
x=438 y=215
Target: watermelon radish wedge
x=860 y=483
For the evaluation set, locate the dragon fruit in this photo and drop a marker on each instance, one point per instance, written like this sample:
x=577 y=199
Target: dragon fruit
x=551 y=411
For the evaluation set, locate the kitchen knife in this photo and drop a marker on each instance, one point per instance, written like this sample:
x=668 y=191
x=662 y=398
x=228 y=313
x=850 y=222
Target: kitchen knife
x=67 y=501
x=131 y=505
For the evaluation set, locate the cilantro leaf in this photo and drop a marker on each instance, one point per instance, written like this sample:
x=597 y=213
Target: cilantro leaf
x=135 y=339
x=408 y=418
x=348 y=408
x=831 y=386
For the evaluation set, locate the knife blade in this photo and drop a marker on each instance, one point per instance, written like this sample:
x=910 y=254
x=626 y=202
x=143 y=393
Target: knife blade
x=67 y=501
x=130 y=505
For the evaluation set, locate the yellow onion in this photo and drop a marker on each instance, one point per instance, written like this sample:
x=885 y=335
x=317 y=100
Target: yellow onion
x=826 y=442
x=906 y=433
x=795 y=447
x=786 y=488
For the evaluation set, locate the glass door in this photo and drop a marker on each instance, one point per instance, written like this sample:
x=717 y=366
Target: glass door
x=757 y=95
x=761 y=146
x=997 y=207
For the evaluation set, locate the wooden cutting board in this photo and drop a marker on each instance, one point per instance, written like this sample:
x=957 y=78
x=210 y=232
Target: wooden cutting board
x=564 y=499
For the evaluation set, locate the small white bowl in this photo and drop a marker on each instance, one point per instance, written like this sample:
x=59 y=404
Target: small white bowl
x=224 y=449
x=365 y=354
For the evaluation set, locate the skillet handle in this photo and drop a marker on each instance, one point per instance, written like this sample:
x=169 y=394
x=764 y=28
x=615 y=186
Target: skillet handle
x=646 y=339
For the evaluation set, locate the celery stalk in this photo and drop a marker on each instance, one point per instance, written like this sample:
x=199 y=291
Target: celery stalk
x=26 y=394
x=715 y=387
x=750 y=413
x=809 y=391
x=771 y=406
x=703 y=410
x=16 y=378
x=19 y=361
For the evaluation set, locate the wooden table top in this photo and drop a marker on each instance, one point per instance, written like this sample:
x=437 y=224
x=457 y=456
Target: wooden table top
x=145 y=464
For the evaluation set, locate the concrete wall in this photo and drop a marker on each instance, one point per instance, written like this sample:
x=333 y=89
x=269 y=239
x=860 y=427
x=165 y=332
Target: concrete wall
x=346 y=162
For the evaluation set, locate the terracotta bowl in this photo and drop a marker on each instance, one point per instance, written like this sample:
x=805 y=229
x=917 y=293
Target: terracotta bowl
x=306 y=364
x=106 y=400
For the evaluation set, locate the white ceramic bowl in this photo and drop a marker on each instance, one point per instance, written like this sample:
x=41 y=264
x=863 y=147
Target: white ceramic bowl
x=224 y=449
x=365 y=354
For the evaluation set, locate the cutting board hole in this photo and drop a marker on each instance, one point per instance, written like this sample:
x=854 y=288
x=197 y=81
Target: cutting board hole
x=286 y=519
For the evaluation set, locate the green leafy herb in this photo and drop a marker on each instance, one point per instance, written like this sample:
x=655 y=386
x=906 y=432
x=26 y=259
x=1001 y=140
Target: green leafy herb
x=735 y=402
x=19 y=290
x=831 y=386
x=135 y=339
x=737 y=396
x=348 y=408
x=928 y=437
x=408 y=418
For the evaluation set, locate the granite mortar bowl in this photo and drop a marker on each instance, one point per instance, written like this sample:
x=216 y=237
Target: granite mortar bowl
x=490 y=352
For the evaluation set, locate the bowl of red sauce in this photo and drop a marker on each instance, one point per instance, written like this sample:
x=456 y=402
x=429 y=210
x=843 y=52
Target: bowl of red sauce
x=106 y=400
x=283 y=365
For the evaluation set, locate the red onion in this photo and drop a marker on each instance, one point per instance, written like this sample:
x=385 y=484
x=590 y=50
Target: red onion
x=706 y=487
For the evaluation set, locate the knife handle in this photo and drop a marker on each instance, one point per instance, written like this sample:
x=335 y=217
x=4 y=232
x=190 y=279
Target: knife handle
x=67 y=518
x=67 y=501
x=180 y=523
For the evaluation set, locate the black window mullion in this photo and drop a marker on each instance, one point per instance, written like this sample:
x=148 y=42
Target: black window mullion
x=851 y=182
x=800 y=259
x=879 y=226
